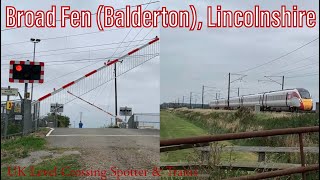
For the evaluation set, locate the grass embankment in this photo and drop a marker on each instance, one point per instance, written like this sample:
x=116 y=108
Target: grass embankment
x=173 y=126
x=243 y=120
x=20 y=147
x=183 y=122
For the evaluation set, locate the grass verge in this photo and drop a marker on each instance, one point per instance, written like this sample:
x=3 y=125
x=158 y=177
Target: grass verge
x=20 y=147
x=182 y=122
x=54 y=167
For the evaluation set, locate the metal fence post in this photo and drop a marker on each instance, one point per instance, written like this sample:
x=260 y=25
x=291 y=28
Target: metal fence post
x=7 y=118
x=302 y=157
x=6 y=124
x=35 y=109
x=27 y=121
x=38 y=114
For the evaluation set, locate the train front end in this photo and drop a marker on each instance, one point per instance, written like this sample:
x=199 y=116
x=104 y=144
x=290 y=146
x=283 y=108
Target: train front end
x=306 y=103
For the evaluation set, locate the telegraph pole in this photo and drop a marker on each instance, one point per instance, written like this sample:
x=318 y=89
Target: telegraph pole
x=271 y=80
x=202 y=95
x=282 y=82
x=35 y=41
x=190 y=99
x=238 y=92
x=182 y=100
x=115 y=93
x=229 y=83
x=228 y=88
x=216 y=96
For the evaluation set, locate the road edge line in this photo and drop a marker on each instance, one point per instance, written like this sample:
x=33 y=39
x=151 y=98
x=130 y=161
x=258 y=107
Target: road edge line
x=48 y=134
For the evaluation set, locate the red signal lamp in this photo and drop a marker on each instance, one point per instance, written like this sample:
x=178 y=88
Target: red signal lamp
x=19 y=68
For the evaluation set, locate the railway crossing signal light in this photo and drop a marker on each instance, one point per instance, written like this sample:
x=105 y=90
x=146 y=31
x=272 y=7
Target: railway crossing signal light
x=18 y=68
x=26 y=72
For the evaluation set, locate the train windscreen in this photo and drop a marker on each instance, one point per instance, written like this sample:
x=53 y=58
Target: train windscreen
x=304 y=93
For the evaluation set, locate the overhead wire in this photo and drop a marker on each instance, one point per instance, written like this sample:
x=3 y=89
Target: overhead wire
x=70 y=72
x=125 y=49
x=72 y=52
x=79 y=47
x=307 y=66
x=303 y=75
x=71 y=61
x=294 y=62
x=102 y=84
x=280 y=57
x=60 y=37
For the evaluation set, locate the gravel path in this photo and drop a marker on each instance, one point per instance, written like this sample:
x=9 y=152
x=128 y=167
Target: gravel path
x=102 y=149
x=37 y=157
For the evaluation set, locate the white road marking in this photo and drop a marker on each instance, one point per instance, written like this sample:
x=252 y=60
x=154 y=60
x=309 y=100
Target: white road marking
x=102 y=135
x=50 y=132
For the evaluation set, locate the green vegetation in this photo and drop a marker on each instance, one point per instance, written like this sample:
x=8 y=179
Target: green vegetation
x=14 y=128
x=63 y=121
x=113 y=126
x=244 y=120
x=53 y=166
x=20 y=147
x=175 y=127
x=183 y=122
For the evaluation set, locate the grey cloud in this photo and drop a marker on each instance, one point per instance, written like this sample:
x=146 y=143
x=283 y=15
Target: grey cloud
x=138 y=88
x=192 y=59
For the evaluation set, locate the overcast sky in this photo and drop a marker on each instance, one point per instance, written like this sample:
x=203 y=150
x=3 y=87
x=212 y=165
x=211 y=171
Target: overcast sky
x=139 y=88
x=192 y=59
x=188 y=59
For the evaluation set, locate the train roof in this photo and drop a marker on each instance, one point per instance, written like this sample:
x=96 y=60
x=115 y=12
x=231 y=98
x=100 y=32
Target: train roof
x=299 y=89
x=302 y=89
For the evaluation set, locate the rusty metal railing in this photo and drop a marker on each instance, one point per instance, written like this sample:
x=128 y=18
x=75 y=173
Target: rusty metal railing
x=191 y=142
x=283 y=172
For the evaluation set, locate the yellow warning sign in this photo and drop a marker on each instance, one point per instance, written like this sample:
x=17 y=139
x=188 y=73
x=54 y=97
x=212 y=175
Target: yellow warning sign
x=9 y=105
x=17 y=107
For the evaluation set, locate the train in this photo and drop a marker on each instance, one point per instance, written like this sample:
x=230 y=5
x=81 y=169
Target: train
x=297 y=99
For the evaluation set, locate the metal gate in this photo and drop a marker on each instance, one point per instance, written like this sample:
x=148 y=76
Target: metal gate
x=144 y=121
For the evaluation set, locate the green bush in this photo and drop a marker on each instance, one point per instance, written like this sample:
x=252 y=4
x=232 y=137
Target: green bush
x=14 y=128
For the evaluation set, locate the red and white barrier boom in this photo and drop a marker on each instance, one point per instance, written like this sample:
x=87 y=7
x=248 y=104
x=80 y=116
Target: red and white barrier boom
x=95 y=71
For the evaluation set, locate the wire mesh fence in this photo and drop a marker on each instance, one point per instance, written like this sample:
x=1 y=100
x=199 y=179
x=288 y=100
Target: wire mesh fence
x=144 y=121
x=15 y=122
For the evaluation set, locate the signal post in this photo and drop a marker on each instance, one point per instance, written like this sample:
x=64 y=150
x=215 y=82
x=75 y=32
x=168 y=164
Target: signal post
x=26 y=72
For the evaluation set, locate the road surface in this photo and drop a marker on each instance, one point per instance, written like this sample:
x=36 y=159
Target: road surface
x=103 y=148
